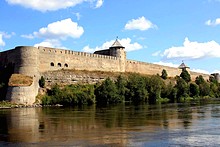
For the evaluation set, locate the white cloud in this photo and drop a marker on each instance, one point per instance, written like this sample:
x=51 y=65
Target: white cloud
x=99 y=3
x=126 y=42
x=29 y=36
x=2 y=43
x=213 y=23
x=5 y=35
x=78 y=16
x=167 y=64
x=140 y=23
x=58 y=30
x=216 y=71
x=61 y=29
x=55 y=32
x=200 y=71
x=170 y=64
x=156 y=53
x=89 y=50
x=51 y=5
x=54 y=43
x=193 y=50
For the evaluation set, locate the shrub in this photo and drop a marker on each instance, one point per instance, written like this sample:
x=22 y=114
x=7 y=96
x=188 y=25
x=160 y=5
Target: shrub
x=185 y=75
x=199 y=80
x=164 y=74
x=106 y=93
x=42 y=82
x=182 y=88
x=193 y=90
x=137 y=91
x=154 y=87
x=70 y=95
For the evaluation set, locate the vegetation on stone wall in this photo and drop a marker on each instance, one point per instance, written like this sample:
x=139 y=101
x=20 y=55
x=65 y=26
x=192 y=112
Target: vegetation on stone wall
x=134 y=88
x=20 y=80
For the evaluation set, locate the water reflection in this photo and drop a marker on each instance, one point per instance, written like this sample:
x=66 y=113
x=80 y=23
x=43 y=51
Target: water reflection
x=121 y=125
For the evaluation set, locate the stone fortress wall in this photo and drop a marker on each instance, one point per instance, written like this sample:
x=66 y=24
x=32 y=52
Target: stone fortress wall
x=56 y=59
x=25 y=61
x=32 y=61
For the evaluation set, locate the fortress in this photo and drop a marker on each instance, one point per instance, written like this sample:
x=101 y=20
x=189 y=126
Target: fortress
x=35 y=61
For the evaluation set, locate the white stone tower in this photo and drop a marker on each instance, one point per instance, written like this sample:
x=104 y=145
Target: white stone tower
x=117 y=50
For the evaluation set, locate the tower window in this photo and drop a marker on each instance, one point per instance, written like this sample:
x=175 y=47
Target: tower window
x=51 y=64
x=59 y=64
x=65 y=65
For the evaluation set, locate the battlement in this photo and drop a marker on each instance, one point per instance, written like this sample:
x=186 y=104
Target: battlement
x=74 y=53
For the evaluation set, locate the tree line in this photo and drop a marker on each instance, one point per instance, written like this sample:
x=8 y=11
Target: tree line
x=135 y=88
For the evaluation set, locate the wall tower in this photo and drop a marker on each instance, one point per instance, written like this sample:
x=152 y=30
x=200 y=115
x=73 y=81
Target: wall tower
x=117 y=50
x=25 y=60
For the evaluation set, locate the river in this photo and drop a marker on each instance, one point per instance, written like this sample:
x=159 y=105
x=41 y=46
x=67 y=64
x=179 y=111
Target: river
x=119 y=125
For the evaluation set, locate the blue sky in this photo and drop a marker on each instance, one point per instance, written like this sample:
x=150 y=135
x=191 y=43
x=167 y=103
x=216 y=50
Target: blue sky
x=160 y=31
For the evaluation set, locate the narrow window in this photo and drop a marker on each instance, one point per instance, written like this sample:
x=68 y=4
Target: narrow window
x=51 y=64
x=65 y=65
x=59 y=64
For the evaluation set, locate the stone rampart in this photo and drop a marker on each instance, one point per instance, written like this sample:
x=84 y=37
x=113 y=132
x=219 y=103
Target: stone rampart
x=153 y=69
x=55 y=59
x=32 y=61
x=67 y=77
x=150 y=69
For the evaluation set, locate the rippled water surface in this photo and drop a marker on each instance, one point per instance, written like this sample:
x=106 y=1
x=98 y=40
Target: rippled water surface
x=121 y=125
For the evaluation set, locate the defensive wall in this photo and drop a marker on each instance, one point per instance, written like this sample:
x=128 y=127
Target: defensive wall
x=34 y=62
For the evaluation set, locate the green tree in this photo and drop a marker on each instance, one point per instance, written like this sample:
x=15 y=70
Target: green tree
x=214 y=91
x=164 y=74
x=185 y=75
x=212 y=79
x=173 y=95
x=70 y=95
x=154 y=87
x=204 y=89
x=182 y=88
x=204 y=86
x=193 y=90
x=137 y=91
x=166 y=90
x=42 y=82
x=199 y=80
x=106 y=93
x=121 y=87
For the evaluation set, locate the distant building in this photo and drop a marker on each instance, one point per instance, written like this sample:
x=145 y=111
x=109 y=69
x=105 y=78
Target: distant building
x=183 y=66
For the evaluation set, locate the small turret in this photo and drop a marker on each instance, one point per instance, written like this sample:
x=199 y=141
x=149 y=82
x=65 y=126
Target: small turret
x=216 y=76
x=183 y=66
x=117 y=50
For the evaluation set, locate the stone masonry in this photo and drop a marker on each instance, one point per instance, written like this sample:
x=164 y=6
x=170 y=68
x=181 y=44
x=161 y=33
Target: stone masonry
x=34 y=62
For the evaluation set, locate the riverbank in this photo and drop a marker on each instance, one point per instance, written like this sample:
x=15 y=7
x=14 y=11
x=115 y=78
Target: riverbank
x=9 y=105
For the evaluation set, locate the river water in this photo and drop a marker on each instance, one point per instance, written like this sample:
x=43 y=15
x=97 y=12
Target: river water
x=120 y=125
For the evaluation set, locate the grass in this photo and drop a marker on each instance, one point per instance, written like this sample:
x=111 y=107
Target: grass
x=6 y=104
x=20 y=80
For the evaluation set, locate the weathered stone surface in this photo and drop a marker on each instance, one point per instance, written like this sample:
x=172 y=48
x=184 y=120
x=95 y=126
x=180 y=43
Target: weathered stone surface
x=50 y=62
x=61 y=77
